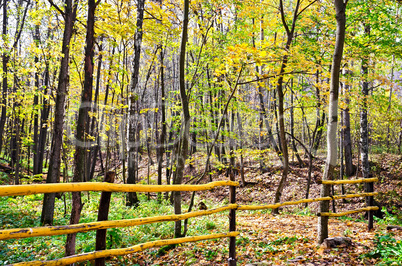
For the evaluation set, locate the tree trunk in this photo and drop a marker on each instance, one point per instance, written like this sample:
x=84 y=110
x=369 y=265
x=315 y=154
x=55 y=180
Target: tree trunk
x=162 y=137
x=95 y=123
x=36 y=111
x=340 y=8
x=347 y=140
x=184 y=140
x=364 y=135
x=44 y=123
x=5 y=71
x=82 y=130
x=54 y=169
x=103 y=214
x=17 y=146
x=299 y=160
x=133 y=143
x=281 y=113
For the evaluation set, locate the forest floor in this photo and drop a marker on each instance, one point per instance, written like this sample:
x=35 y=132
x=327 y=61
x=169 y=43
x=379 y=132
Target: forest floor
x=272 y=240
x=290 y=238
x=285 y=239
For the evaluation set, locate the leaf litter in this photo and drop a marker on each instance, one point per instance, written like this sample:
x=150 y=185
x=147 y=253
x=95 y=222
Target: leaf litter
x=284 y=239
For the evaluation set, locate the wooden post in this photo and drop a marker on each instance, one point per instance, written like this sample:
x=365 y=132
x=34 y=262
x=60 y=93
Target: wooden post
x=369 y=187
x=232 y=224
x=103 y=213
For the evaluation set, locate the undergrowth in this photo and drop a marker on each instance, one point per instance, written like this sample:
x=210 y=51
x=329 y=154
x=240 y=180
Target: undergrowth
x=388 y=249
x=23 y=212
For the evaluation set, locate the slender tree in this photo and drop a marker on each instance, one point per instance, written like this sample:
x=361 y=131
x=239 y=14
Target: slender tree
x=133 y=142
x=340 y=8
x=280 y=90
x=53 y=176
x=364 y=136
x=5 y=71
x=347 y=140
x=82 y=130
x=185 y=131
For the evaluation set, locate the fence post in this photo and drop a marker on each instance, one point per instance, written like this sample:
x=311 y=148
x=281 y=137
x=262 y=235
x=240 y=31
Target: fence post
x=369 y=187
x=103 y=214
x=232 y=224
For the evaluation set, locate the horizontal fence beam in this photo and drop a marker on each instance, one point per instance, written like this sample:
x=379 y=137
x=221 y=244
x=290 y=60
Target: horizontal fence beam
x=331 y=214
x=125 y=251
x=287 y=203
x=355 y=181
x=20 y=190
x=85 y=227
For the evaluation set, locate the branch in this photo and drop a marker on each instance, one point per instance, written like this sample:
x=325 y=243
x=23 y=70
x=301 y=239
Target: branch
x=283 y=17
x=18 y=32
x=295 y=17
x=301 y=11
x=152 y=16
x=198 y=60
x=273 y=76
x=57 y=8
x=304 y=147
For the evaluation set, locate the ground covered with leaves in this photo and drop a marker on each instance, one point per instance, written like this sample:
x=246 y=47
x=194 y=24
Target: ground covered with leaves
x=273 y=240
x=290 y=238
x=285 y=239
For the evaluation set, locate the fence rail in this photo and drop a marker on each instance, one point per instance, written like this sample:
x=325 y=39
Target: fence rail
x=353 y=181
x=339 y=214
x=23 y=190
x=85 y=227
x=20 y=190
x=287 y=203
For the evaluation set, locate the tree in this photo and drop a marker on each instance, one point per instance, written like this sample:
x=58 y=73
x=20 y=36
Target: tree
x=133 y=142
x=347 y=142
x=70 y=13
x=185 y=127
x=4 y=79
x=340 y=9
x=279 y=88
x=364 y=136
x=82 y=130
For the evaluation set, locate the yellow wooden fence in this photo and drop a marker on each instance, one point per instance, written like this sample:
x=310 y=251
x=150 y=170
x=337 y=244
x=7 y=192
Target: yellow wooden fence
x=85 y=227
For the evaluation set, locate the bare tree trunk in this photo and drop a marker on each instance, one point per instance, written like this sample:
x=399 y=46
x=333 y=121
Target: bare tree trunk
x=318 y=125
x=320 y=122
x=341 y=150
x=133 y=143
x=232 y=147
x=340 y=8
x=93 y=155
x=239 y=123
x=162 y=138
x=364 y=135
x=103 y=214
x=36 y=111
x=280 y=91
x=44 y=121
x=182 y=154
x=299 y=160
x=17 y=147
x=81 y=145
x=55 y=161
x=347 y=140
x=5 y=71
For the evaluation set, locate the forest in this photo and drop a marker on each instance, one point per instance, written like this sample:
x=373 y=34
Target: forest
x=294 y=105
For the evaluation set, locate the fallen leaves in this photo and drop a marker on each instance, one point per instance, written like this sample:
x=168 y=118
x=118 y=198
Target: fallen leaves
x=275 y=240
